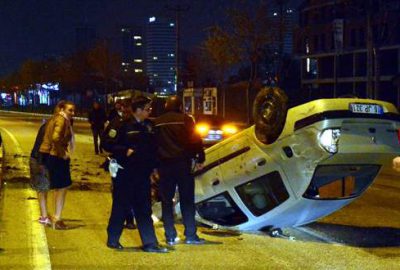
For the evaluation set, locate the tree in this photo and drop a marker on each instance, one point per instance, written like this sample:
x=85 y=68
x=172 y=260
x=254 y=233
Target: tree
x=30 y=73
x=246 y=34
x=221 y=51
x=105 y=63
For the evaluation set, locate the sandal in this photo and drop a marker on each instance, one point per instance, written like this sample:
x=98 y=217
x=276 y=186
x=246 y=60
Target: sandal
x=45 y=221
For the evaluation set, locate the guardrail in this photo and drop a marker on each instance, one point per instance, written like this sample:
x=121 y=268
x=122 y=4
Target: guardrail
x=41 y=115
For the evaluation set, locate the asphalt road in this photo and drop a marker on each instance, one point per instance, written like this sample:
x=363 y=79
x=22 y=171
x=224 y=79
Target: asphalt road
x=363 y=235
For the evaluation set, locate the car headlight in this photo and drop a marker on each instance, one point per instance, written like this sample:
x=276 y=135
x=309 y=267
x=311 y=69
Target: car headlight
x=229 y=129
x=329 y=140
x=202 y=129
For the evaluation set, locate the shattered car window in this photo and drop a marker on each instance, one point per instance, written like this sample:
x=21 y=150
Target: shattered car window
x=264 y=193
x=222 y=210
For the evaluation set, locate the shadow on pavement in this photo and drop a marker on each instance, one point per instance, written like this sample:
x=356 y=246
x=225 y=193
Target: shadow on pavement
x=222 y=233
x=366 y=237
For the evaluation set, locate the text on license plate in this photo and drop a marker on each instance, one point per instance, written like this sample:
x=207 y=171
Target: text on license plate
x=366 y=108
x=214 y=137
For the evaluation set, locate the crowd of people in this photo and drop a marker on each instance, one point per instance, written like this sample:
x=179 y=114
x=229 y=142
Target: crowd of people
x=165 y=151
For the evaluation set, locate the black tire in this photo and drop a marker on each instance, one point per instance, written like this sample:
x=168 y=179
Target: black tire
x=269 y=114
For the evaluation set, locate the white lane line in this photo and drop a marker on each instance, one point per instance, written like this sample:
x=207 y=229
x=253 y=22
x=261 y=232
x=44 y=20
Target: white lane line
x=40 y=250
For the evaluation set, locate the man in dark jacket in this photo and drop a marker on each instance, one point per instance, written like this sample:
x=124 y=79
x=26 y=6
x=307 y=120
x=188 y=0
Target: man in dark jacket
x=133 y=145
x=97 y=119
x=178 y=146
x=116 y=111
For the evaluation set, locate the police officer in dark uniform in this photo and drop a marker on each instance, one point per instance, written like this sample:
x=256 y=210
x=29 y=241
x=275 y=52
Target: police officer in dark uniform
x=178 y=146
x=134 y=147
x=116 y=123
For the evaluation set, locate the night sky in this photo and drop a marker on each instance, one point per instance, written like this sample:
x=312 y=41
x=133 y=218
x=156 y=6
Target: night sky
x=36 y=28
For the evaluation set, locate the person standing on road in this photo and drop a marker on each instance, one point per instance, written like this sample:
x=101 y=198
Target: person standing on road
x=59 y=137
x=38 y=170
x=116 y=111
x=133 y=146
x=116 y=123
x=97 y=119
x=178 y=146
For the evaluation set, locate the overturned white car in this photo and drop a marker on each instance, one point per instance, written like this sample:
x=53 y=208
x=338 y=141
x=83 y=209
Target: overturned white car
x=298 y=165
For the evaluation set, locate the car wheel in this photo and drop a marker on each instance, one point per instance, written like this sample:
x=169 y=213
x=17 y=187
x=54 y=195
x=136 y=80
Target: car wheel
x=269 y=113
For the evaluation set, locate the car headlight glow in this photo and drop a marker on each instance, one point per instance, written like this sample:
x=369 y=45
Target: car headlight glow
x=202 y=129
x=229 y=129
x=329 y=140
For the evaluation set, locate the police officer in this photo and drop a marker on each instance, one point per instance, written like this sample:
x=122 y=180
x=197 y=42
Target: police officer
x=178 y=145
x=116 y=123
x=133 y=145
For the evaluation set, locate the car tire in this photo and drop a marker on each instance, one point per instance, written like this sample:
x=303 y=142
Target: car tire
x=269 y=114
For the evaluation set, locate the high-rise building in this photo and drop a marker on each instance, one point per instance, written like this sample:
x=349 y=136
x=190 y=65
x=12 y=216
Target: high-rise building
x=161 y=54
x=138 y=51
x=132 y=49
x=127 y=44
x=85 y=38
x=282 y=18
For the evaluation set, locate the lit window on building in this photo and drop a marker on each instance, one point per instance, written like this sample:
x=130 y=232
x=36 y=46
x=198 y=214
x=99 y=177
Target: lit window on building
x=139 y=44
x=275 y=13
x=137 y=37
x=155 y=58
x=312 y=66
x=125 y=64
x=155 y=75
x=138 y=70
x=125 y=70
x=152 y=19
x=172 y=24
x=138 y=60
x=171 y=54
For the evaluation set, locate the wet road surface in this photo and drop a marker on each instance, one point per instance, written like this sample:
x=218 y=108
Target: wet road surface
x=364 y=235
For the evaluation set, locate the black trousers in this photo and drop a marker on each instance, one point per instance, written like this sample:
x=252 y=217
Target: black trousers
x=172 y=175
x=97 y=131
x=132 y=189
x=129 y=213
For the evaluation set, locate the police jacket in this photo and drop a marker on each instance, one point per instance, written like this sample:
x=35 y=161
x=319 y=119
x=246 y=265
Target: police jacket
x=177 y=138
x=121 y=135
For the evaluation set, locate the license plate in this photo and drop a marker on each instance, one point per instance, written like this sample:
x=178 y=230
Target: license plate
x=366 y=108
x=214 y=137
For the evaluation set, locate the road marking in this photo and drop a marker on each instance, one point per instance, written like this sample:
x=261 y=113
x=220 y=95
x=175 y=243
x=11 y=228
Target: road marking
x=40 y=257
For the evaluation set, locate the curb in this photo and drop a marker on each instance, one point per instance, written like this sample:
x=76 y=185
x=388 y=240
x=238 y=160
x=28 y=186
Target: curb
x=41 y=115
x=1 y=164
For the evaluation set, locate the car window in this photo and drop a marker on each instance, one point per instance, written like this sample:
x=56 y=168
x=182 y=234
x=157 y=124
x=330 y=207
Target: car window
x=222 y=210
x=263 y=194
x=340 y=181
